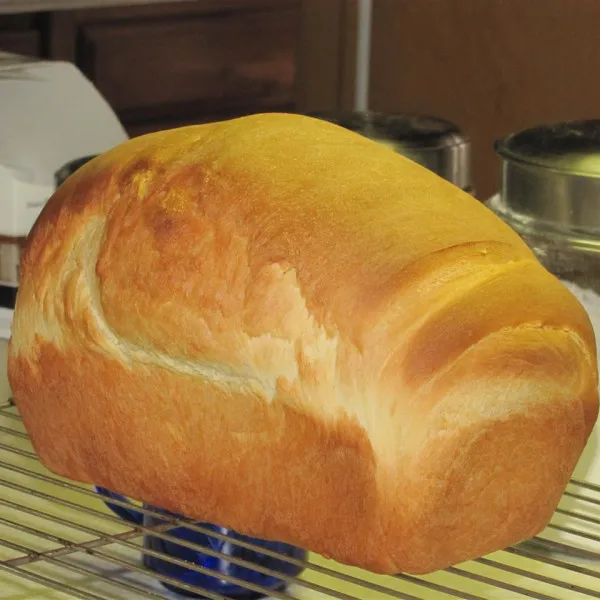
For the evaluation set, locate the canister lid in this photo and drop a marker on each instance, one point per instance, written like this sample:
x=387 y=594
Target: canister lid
x=571 y=147
x=68 y=169
x=435 y=143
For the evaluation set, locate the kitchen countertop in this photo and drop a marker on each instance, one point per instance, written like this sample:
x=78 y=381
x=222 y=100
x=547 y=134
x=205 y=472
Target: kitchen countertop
x=23 y=6
x=5 y=322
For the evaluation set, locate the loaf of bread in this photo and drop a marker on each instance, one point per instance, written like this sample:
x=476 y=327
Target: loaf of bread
x=279 y=326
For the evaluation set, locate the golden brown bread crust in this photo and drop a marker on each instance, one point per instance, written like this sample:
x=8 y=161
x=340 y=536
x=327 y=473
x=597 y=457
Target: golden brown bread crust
x=281 y=327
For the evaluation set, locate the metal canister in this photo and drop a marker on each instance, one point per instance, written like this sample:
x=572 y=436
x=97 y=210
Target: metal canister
x=68 y=169
x=550 y=194
x=434 y=143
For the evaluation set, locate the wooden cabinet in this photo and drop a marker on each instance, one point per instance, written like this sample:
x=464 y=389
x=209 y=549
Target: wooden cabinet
x=241 y=59
x=166 y=65
x=492 y=66
x=21 y=34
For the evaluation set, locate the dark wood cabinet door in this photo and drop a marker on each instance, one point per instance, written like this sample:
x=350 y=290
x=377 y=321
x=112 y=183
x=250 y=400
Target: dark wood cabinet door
x=167 y=65
x=21 y=34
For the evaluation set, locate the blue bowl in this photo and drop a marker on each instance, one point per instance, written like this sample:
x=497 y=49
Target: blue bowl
x=220 y=565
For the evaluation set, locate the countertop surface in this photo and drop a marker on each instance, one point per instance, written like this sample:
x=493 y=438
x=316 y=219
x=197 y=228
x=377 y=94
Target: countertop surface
x=5 y=322
x=22 y=6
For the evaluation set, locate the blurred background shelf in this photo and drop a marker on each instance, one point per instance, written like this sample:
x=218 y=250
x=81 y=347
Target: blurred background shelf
x=21 y=6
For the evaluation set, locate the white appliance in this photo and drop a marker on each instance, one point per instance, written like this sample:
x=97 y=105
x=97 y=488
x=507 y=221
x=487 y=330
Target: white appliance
x=50 y=115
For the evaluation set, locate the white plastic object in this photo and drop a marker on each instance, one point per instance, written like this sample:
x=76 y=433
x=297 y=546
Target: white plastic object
x=50 y=114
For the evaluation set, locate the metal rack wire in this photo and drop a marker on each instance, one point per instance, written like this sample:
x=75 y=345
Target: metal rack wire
x=58 y=540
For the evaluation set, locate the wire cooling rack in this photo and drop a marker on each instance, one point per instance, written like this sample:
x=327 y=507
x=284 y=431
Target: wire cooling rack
x=58 y=540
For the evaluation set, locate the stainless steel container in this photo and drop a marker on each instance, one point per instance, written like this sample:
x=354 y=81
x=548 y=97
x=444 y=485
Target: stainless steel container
x=436 y=144
x=550 y=194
